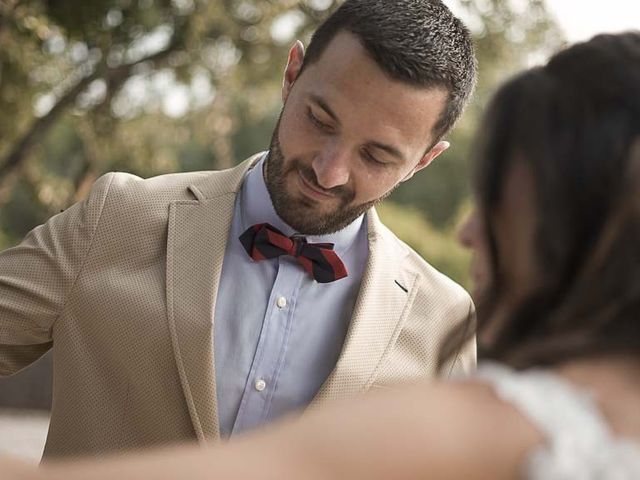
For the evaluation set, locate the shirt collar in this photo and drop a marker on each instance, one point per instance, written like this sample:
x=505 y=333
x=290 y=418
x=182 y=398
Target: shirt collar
x=256 y=207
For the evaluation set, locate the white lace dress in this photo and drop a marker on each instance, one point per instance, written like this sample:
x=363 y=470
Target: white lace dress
x=578 y=442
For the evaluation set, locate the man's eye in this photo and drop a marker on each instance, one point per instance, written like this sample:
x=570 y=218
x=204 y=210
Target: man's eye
x=317 y=122
x=371 y=159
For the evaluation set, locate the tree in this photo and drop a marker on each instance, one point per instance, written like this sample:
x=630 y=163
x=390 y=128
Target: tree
x=151 y=86
x=84 y=87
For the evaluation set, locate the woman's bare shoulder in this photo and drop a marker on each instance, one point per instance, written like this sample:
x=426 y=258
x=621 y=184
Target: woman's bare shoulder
x=15 y=470
x=446 y=429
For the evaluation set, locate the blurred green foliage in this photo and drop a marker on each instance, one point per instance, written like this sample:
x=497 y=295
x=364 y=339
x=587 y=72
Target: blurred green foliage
x=155 y=86
x=437 y=245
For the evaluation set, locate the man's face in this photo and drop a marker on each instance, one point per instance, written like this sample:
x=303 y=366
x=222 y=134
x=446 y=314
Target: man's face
x=346 y=137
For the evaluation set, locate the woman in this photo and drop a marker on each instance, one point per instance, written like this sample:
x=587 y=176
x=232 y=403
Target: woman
x=557 y=268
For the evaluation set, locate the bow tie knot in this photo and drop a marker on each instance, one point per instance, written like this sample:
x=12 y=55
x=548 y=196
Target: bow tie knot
x=263 y=241
x=297 y=245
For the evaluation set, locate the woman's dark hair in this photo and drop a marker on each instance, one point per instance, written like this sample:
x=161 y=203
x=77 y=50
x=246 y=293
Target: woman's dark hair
x=419 y=42
x=575 y=124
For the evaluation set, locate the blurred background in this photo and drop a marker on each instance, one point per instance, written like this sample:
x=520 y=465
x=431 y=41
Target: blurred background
x=157 y=86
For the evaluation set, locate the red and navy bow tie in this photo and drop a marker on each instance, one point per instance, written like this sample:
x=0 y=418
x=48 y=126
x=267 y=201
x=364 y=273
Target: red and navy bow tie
x=262 y=241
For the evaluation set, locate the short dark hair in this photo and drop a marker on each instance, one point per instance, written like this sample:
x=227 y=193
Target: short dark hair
x=575 y=124
x=419 y=42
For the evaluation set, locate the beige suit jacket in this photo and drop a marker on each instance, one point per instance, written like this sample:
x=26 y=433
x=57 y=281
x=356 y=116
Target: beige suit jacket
x=123 y=287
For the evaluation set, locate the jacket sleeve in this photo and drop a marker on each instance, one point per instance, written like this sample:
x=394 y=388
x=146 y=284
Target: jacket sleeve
x=37 y=276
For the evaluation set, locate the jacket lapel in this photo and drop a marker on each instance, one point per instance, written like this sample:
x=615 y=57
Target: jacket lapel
x=197 y=239
x=377 y=318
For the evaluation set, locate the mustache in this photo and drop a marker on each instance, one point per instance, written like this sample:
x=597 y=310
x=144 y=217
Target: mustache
x=310 y=176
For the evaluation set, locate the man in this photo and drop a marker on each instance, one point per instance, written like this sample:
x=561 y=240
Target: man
x=171 y=311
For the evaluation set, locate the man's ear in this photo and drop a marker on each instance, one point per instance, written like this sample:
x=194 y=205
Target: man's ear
x=292 y=70
x=428 y=157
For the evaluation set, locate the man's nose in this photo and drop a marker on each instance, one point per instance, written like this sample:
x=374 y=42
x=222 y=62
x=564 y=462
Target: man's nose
x=331 y=167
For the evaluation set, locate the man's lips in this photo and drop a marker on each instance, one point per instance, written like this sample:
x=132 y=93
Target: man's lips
x=312 y=191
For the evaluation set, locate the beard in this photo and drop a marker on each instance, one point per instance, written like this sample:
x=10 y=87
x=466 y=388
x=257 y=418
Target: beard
x=300 y=213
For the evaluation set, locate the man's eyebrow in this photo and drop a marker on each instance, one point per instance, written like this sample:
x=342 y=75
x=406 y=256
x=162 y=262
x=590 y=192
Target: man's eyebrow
x=323 y=105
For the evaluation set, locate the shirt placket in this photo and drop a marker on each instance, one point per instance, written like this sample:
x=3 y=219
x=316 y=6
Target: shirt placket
x=269 y=358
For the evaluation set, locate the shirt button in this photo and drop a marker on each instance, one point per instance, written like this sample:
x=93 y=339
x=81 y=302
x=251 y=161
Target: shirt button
x=260 y=385
x=281 y=302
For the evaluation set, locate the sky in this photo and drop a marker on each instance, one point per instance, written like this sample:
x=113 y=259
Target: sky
x=581 y=19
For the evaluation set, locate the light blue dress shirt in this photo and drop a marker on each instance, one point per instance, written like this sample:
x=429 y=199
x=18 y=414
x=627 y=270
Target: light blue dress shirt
x=277 y=332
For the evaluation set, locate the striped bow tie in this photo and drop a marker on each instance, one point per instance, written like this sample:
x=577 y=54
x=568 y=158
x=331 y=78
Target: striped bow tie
x=262 y=241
